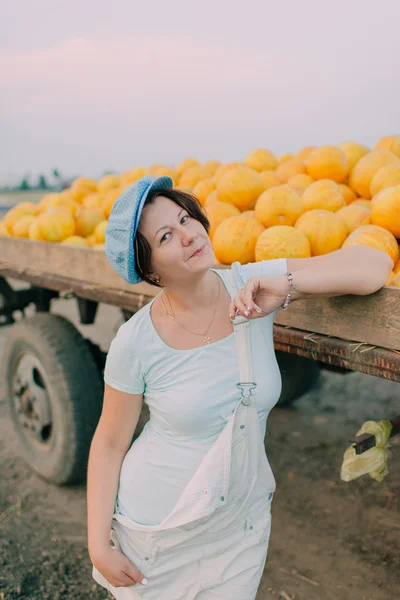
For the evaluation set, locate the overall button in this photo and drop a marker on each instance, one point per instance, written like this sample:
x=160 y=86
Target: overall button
x=242 y=427
x=246 y=401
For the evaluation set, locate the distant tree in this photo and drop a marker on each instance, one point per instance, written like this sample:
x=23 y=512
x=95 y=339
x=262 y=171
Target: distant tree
x=42 y=182
x=24 y=185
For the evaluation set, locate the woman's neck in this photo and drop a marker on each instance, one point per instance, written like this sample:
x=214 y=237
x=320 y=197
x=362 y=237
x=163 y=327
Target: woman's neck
x=194 y=296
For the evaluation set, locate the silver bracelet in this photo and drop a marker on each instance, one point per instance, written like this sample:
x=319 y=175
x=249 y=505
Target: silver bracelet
x=292 y=287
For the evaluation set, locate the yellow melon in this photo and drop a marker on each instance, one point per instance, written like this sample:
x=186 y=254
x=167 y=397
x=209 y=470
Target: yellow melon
x=129 y=177
x=364 y=171
x=87 y=221
x=94 y=200
x=212 y=198
x=192 y=176
x=73 y=206
x=15 y=213
x=54 y=225
x=363 y=202
x=282 y=241
x=354 y=215
x=395 y=280
x=82 y=187
x=284 y=157
x=184 y=188
x=347 y=193
x=305 y=153
x=300 y=182
x=235 y=240
x=387 y=176
x=385 y=210
x=390 y=279
x=241 y=187
x=396 y=268
x=20 y=227
x=217 y=212
x=374 y=237
x=269 y=179
x=280 y=205
x=4 y=230
x=261 y=160
x=248 y=213
x=34 y=232
x=203 y=189
x=211 y=166
x=75 y=240
x=154 y=168
x=289 y=168
x=109 y=199
x=51 y=200
x=323 y=193
x=353 y=152
x=91 y=240
x=325 y=231
x=327 y=162
x=222 y=169
x=186 y=164
x=108 y=182
x=163 y=171
x=99 y=232
x=390 y=143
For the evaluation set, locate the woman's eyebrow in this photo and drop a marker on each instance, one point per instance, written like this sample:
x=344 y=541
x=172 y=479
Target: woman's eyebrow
x=166 y=226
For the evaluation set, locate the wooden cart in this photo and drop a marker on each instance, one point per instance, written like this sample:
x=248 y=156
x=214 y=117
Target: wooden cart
x=52 y=375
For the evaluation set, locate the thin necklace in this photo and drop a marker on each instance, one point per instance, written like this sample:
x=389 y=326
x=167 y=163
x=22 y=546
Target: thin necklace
x=207 y=339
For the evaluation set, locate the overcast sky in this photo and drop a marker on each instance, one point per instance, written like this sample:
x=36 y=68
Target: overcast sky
x=90 y=86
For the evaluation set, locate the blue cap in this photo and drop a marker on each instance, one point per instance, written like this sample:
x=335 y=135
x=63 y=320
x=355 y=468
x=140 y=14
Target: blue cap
x=123 y=223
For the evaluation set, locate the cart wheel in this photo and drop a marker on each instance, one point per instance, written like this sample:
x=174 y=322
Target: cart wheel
x=299 y=374
x=55 y=391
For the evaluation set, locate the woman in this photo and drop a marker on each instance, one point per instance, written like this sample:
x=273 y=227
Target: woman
x=170 y=539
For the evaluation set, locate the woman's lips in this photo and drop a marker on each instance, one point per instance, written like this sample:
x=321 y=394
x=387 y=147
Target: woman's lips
x=198 y=252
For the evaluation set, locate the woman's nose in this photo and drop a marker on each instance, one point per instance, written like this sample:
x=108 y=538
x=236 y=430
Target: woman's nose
x=188 y=237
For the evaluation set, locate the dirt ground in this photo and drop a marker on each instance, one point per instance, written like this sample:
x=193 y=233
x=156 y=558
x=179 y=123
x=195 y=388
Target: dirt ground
x=330 y=540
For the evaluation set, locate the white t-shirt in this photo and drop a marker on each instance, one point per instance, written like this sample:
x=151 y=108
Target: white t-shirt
x=190 y=393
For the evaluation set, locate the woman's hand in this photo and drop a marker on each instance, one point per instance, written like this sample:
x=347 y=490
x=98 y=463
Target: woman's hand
x=260 y=297
x=117 y=569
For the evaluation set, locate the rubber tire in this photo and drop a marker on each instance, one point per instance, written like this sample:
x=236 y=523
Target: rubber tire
x=75 y=387
x=299 y=375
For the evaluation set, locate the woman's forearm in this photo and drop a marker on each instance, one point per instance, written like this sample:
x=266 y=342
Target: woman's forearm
x=348 y=271
x=102 y=485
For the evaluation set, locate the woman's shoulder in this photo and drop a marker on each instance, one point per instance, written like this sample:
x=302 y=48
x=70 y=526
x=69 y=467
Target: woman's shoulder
x=136 y=325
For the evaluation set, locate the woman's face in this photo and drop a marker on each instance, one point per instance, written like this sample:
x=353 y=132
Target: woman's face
x=173 y=236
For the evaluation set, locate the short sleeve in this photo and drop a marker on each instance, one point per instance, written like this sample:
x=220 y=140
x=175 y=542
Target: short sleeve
x=262 y=268
x=123 y=369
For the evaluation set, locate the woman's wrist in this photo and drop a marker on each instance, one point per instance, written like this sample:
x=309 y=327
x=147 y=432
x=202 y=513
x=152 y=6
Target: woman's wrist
x=291 y=285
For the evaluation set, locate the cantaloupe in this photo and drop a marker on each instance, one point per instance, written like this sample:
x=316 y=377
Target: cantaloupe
x=280 y=205
x=282 y=241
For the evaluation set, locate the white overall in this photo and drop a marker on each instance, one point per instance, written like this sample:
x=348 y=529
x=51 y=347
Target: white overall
x=213 y=544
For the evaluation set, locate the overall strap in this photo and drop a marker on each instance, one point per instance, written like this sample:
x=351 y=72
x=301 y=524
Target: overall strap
x=243 y=346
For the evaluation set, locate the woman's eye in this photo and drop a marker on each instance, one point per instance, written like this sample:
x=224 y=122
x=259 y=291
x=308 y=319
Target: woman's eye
x=184 y=217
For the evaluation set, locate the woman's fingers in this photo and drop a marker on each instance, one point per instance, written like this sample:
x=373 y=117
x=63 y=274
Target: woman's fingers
x=243 y=302
x=133 y=573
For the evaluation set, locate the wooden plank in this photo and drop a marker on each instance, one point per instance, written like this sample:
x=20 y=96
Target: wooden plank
x=374 y=319
x=379 y=362
x=355 y=356
x=80 y=264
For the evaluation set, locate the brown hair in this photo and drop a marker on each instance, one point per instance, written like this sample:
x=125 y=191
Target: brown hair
x=142 y=247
